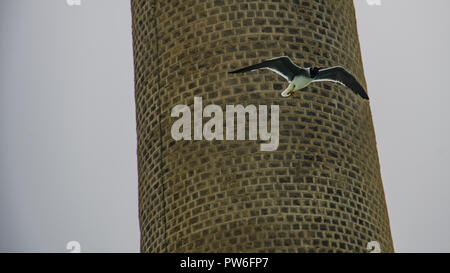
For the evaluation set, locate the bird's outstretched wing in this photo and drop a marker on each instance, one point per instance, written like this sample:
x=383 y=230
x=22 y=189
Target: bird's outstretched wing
x=342 y=76
x=281 y=65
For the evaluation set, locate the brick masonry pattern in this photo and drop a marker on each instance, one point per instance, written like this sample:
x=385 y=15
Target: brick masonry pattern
x=321 y=191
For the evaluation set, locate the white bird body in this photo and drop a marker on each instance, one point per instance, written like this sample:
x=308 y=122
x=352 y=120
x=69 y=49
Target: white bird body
x=301 y=82
x=298 y=83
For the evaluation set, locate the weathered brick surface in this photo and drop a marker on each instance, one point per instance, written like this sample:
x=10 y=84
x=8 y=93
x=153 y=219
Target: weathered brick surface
x=321 y=191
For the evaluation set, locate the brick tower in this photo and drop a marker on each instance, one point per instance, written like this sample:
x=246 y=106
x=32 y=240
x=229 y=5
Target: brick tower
x=321 y=191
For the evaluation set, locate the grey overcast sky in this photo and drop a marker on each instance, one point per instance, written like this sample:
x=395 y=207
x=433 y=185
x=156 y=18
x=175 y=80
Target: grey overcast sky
x=67 y=129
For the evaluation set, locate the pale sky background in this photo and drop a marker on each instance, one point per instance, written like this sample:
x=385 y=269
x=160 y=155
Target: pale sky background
x=67 y=122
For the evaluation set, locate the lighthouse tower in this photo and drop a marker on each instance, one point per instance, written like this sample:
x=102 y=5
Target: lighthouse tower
x=320 y=191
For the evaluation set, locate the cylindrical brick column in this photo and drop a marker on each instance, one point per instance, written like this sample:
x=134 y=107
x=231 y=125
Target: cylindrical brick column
x=321 y=191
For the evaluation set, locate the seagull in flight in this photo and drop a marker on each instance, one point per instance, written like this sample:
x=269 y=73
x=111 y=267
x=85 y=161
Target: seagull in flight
x=299 y=77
